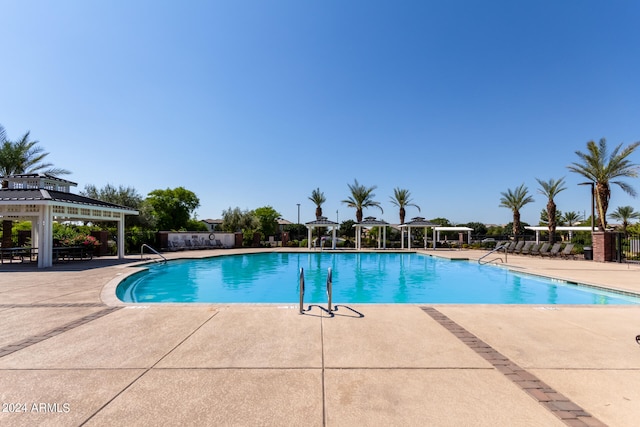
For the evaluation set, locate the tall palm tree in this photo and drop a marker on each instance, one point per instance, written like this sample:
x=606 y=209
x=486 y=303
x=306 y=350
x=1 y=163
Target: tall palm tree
x=550 y=189
x=402 y=199
x=515 y=200
x=317 y=197
x=602 y=168
x=18 y=157
x=624 y=214
x=361 y=198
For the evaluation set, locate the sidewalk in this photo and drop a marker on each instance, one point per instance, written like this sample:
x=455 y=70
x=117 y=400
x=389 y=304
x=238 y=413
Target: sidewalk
x=67 y=358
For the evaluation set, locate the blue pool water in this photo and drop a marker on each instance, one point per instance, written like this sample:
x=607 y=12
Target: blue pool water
x=357 y=278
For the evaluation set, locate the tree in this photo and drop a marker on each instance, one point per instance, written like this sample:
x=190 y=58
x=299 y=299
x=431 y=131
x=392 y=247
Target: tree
x=570 y=218
x=516 y=200
x=402 y=199
x=123 y=196
x=544 y=217
x=361 y=198
x=21 y=157
x=624 y=214
x=603 y=168
x=268 y=220
x=172 y=208
x=442 y=222
x=347 y=229
x=550 y=190
x=317 y=197
x=479 y=229
x=235 y=220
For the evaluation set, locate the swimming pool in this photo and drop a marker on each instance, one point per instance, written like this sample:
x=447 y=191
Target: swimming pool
x=357 y=278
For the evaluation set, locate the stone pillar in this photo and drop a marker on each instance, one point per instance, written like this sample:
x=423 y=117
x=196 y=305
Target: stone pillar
x=604 y=246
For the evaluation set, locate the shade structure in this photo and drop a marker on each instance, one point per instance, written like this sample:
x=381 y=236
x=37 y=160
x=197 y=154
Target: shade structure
x=568 y=228
x=417 y=222
x=321 y=222
x=458 y=229
x=370 y=222
x=44 y=199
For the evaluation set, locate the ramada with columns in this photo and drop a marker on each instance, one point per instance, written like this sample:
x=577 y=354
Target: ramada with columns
x=44 y=199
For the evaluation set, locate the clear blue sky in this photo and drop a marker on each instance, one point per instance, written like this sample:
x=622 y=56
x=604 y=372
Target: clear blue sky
x=253 y=103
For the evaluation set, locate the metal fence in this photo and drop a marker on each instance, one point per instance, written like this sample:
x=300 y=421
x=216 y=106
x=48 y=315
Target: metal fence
x=629 y=247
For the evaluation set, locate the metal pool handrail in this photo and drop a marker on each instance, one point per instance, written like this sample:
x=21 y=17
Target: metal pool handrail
x=329 y=289
x=301 y=290
x=491 y=252
x=144 y=245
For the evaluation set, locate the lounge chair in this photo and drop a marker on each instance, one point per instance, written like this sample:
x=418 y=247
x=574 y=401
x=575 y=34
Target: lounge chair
x=516 y=248
x=543 y=249
x=526 y=248
x=567 y=251
x=535 y=249
x=509 y=246
x=555 y=249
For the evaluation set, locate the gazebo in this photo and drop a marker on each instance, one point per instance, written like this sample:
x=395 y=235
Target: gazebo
x=368 y=223
x=417 y=222
x=44 y=199
x=323 y=222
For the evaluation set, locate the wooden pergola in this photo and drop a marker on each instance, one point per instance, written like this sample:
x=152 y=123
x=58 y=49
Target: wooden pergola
x=44 y=199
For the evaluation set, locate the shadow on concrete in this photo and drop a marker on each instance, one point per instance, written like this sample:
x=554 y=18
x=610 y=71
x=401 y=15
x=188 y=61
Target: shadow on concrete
x=97 y=262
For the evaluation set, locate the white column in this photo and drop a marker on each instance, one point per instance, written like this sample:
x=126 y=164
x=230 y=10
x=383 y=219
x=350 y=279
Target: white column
x=409 y=238
x=434 y=238
x=402 y=238
x=34 y=232
x=384 y=237
x=45 y=238
x=333 y=237
x=309 y=236
x=121 y=237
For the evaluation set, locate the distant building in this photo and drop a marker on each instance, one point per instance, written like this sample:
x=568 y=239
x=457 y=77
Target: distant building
x=212 y=224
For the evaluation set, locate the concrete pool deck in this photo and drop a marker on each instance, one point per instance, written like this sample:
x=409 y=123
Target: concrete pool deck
x=68 y=356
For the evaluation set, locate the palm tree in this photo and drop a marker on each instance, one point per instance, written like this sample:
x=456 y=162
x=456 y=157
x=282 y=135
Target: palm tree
x=18 y=157
x=550 y=189
x=361 y=198
x=602 y=167
x=402 y=198
x=624 y=214
x=570 y=218
x=515 y=200
x=317 y=197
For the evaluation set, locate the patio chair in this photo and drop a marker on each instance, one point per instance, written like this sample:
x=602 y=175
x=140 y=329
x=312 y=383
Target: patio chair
x=516 y=248
x=526 y=248
x=567 y=251
x=535 y=249
x=509 y=246
x=543 y=249
x=555 y=249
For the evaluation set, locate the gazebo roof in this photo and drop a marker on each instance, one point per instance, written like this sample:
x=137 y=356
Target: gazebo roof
x=370 y=220
x=34 y=196
x=419 y=222
x=322 y=221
